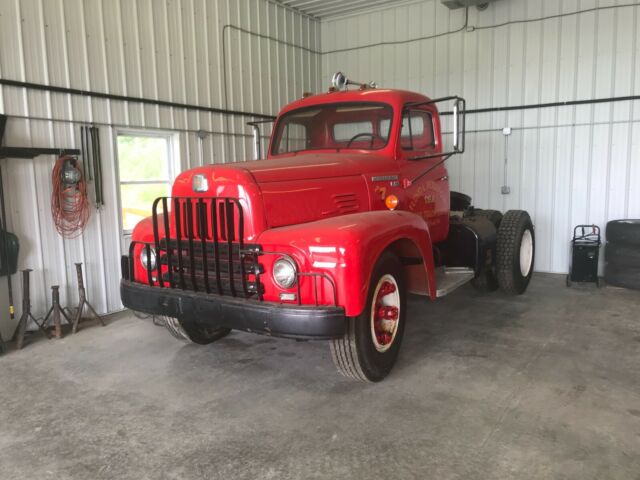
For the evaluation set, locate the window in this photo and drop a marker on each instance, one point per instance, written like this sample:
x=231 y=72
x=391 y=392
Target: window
x=346 y=131
x=417 y=130
x=294 y=138
x=353 y=125
x=147 y=169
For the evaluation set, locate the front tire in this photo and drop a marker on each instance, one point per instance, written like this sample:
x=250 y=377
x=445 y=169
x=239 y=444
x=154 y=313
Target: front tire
x=369 y=349
x=193 y=333
x=515 y=252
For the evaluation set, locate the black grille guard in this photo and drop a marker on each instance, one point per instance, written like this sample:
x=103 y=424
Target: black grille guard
x=205 y=252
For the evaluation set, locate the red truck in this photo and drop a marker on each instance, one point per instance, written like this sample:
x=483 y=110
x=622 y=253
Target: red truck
x=325 y=238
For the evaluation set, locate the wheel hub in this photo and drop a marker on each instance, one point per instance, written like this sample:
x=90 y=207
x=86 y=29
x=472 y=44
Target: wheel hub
x=385 y=313
x=526 y=253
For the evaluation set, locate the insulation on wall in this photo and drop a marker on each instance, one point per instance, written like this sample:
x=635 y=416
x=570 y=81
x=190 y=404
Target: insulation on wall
x=565 y=165
x=169 y=50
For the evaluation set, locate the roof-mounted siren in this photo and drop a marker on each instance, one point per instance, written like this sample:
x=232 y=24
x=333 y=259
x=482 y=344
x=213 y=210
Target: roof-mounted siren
x=340 y=82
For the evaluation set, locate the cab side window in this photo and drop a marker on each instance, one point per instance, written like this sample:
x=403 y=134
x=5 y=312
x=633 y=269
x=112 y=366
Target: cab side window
x=294 y=138
x=417 y=130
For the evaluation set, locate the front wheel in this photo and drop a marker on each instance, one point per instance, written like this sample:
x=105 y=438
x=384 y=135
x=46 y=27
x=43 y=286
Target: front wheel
x=369 y=349
x=193 y=333
x=515 y=252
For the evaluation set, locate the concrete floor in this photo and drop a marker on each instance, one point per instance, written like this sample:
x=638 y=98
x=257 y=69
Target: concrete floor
x=546 y=385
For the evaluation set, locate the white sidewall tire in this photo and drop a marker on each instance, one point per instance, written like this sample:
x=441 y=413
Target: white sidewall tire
x=514 y=267
x=355 y=354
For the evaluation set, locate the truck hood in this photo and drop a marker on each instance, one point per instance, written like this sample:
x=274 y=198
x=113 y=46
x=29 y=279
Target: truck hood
x=310 y=166
x=293 y=189
x=307 y=187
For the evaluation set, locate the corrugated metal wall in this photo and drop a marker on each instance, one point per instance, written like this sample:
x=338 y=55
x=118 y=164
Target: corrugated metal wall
x=169 y=50
x=566 y=165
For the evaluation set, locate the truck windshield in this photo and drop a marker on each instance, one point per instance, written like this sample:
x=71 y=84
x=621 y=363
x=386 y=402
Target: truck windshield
x=336 y=126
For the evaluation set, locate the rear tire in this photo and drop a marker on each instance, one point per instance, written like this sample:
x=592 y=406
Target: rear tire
x=624 y=231
x=193 y=333
x=370 y=347
x=624 y=255
x=619 y=276
x=515 y=252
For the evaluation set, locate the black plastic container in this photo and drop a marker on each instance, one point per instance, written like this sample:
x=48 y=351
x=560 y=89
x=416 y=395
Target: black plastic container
x=585 y=250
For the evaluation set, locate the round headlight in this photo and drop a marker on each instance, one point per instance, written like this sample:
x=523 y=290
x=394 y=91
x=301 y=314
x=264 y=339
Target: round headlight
x=145 y=260
x=284 y=272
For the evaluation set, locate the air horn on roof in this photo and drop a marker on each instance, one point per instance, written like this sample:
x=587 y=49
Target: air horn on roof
x=340 y=82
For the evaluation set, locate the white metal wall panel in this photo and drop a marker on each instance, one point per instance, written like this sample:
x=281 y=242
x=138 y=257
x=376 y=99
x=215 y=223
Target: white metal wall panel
x=566 y=165
x=169 y=50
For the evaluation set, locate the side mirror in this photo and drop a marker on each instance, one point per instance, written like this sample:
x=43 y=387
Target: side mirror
x=459 y=109
x=457 y=126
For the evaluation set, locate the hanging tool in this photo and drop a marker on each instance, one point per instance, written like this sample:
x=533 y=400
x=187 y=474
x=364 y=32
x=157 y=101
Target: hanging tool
x=69 y=201
x=83 y=149
x=86 y=151
x=83 y=301
x=99 y=165
x=93 y=159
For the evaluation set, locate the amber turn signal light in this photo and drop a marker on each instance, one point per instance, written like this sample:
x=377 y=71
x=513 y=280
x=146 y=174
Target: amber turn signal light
x=391 y=202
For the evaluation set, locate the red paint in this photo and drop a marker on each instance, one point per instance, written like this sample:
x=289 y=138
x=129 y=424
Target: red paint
x=384 y=313
x=326 y=206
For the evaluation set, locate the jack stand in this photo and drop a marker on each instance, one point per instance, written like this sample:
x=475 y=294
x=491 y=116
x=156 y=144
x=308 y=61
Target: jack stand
x=83 y=301
x=55 y=310
x=26 y=312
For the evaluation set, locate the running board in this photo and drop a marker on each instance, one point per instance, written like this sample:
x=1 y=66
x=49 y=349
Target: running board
x=448 y=279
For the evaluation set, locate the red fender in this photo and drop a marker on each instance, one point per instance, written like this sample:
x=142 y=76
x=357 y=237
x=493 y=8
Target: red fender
x=346 y=248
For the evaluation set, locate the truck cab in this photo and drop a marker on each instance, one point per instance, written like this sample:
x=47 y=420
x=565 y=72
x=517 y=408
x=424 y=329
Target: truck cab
x=325 y=237
x=378 y=135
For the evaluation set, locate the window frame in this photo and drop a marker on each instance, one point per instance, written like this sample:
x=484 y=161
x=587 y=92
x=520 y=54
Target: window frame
x=173 y=165
x=407 y=112
x=279 y=124
x=288 y=136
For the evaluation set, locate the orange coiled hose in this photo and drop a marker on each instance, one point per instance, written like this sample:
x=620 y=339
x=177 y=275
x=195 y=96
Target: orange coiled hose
x=69 y=200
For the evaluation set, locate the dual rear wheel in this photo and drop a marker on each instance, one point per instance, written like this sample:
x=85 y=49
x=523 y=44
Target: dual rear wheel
x=515 y=253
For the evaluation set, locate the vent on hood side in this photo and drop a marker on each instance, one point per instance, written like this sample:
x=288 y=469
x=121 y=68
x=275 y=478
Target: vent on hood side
x=346 y=202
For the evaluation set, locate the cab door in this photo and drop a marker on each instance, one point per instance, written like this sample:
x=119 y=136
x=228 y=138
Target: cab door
x=422 y=170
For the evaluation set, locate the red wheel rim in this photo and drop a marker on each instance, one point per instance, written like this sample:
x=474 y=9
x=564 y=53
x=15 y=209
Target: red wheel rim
x=385 y=313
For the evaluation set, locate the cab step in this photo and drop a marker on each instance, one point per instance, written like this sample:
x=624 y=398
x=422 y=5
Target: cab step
x=450 y=278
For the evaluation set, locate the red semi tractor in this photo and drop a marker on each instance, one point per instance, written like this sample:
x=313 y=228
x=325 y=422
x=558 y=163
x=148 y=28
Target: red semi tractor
x=325 y=238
